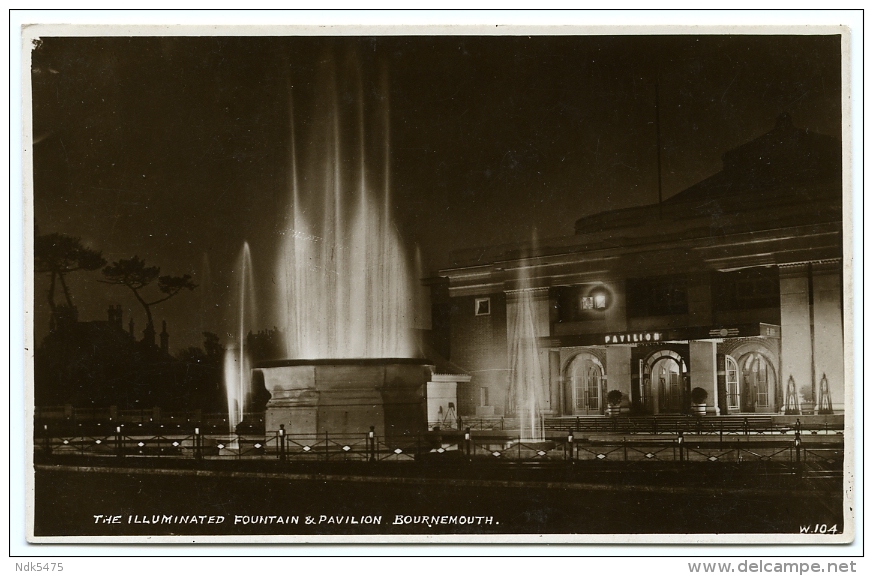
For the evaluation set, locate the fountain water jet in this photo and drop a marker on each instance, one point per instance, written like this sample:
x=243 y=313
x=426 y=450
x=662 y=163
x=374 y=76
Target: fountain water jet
x=237 y=360
x=345 y=285
x=346 y=292
x=527 y=382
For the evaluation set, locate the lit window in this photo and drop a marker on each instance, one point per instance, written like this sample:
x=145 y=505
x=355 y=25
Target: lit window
x=596 y=302
x=483 y=306
x=732 y=383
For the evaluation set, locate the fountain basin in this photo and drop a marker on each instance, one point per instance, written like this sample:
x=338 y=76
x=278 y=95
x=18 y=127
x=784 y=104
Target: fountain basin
x=347 y=396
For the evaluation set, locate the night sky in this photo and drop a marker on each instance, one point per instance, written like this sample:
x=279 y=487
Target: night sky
x=177 y=149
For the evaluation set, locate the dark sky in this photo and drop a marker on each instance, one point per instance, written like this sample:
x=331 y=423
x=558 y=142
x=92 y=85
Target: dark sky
x=177 y=149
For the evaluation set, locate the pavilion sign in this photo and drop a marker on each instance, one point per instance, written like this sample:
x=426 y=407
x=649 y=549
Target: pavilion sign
x=631 y=337
x=681 y=334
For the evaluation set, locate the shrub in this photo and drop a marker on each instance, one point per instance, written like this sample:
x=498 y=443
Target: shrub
x=613 y=398
x=699 y=396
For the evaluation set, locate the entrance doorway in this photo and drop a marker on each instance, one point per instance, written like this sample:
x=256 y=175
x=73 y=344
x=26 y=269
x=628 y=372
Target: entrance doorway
x=758 y=388
x=665 y=383
x=667 y=378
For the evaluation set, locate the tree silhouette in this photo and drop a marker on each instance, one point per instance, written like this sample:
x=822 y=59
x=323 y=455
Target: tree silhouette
x=59 y=255
x=135 y=275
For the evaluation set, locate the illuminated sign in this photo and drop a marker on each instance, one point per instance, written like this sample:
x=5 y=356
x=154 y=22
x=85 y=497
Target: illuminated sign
x=657 y=337
x=632 y=337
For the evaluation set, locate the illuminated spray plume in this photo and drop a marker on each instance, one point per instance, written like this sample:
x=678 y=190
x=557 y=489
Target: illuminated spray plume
x=527 y=381
x=344 y=285
x=237 y=360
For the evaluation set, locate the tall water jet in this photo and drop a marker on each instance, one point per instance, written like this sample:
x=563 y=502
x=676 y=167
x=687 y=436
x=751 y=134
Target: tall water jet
x=237 y=359
x=527 y=382
x=232 y=387
x=345 y=288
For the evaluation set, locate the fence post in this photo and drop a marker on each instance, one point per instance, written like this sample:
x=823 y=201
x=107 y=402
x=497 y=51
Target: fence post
x=198 y=444
x=48 y=440
x=745 y=426
x=281 y=442
x=570 y=444
x=797 y=449
x=371 y=444
x=467 y=441
x=119 y=447
x=681 y=446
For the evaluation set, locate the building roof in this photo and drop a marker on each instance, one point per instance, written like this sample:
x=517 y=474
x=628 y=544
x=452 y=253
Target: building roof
x=788 y=176
x=776 y=201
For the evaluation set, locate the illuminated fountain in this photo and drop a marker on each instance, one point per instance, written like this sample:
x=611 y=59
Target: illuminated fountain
x=345 y=290
x=237 y=360
x=527 y=382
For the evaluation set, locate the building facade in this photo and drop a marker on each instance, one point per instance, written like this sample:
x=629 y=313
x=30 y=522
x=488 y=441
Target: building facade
x=734 y=285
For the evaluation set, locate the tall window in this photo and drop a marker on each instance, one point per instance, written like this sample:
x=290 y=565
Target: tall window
x=732 y=383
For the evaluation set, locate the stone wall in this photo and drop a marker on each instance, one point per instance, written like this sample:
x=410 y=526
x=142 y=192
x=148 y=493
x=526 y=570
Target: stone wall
x=479 y=347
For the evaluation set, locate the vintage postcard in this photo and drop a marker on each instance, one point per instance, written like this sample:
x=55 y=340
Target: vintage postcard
x=466 y=285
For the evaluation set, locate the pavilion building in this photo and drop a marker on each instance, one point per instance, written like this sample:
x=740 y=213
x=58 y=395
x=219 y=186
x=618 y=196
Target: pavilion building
x=734 y=285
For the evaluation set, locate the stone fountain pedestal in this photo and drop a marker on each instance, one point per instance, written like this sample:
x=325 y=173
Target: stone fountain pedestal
x=344 y=397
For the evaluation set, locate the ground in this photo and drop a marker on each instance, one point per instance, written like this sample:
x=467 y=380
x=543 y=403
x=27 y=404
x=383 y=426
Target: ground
x=561 y=498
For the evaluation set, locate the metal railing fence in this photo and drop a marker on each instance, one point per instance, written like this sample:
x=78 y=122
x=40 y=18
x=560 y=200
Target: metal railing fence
x=447 y=446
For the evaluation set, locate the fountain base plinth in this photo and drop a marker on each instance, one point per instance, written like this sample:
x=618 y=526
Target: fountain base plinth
x=344 y=397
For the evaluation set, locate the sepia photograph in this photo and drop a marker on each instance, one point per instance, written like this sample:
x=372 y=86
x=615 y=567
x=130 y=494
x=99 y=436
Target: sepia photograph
x=297 y=285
